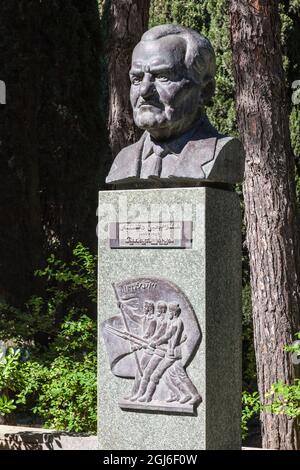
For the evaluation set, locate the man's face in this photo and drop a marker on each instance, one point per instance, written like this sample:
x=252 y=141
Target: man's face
x=161 y=310
x=171 y=313
x=164 y=100
x=148 y=308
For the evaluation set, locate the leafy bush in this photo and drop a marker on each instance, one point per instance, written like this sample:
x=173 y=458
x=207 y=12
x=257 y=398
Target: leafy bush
x=286 y=398
x=8 y=365
x=53 y=373
x=250 y=409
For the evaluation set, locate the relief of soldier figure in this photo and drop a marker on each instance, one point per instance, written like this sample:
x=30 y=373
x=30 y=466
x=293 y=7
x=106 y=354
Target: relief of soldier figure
x=157 y=342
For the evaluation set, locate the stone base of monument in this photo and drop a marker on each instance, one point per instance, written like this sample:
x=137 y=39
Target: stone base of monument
x=169 y=319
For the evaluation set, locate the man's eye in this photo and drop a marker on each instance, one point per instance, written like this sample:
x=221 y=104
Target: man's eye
x=136 y=80
x=162 y=78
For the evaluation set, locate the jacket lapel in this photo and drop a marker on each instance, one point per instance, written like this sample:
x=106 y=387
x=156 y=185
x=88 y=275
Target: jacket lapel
x=194 y=156
x=127 y=163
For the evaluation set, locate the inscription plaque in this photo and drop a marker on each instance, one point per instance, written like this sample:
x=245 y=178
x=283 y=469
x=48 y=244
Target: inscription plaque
x=171 y=234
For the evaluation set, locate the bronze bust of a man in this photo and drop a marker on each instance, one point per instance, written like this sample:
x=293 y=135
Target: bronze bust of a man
x=172 y=79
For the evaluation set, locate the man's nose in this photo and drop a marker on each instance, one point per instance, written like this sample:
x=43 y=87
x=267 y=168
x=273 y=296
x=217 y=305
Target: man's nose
x=147 y=87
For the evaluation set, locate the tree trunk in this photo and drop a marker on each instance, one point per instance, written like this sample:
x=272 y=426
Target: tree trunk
x=270 y=201
x=128 y=21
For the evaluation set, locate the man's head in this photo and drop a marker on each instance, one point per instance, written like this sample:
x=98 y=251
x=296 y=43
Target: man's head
x=174 y=310
x=172 y=78
x=161 y=308
x=148 y=307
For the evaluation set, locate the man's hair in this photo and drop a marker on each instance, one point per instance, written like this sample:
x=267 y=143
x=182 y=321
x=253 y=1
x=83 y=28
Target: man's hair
x=161 y=303
x=175 y=308
x=200 y=58
x=149 y=303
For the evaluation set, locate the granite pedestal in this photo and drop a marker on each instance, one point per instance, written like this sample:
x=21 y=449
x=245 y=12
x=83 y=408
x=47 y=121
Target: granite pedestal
x=202 y=263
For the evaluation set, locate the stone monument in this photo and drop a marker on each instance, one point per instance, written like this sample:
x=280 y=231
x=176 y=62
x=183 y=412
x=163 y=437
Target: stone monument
x=170 y=261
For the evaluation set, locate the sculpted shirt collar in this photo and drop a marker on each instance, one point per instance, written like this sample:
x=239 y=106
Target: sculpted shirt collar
x=171 y=146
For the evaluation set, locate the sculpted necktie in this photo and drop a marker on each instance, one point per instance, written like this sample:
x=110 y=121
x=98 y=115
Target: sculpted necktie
x=156 y=158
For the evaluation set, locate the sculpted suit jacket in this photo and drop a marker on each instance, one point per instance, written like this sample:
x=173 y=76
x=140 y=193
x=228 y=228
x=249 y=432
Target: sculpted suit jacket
x=206 y=156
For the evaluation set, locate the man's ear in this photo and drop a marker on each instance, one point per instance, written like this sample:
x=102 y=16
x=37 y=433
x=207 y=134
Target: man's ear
x=208 y=91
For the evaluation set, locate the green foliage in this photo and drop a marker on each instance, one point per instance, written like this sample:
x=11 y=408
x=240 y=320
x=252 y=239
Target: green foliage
x=250 y=409
x=8 y=366
x=6 y=405
x=61 y=388
x=295 y=347
x=189 y=13
x=56 y=382
x=286 y=398
x=79 y=274
x=68 y=286
x=39 y=319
